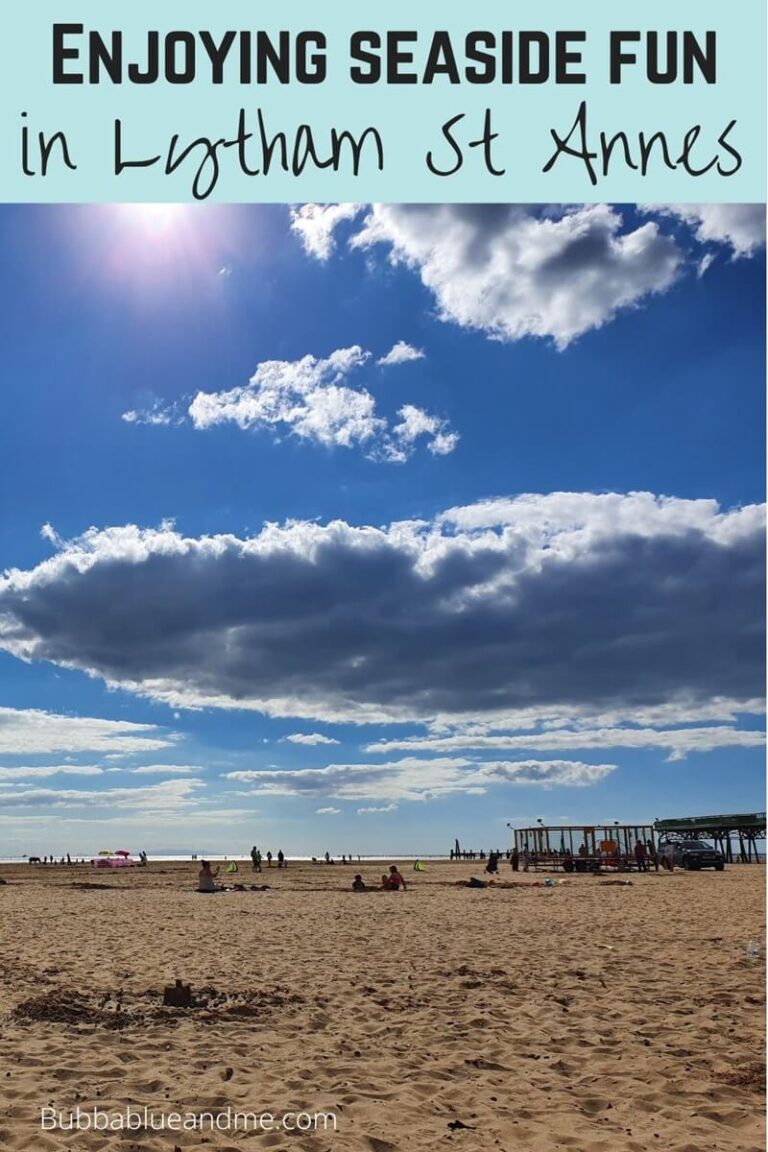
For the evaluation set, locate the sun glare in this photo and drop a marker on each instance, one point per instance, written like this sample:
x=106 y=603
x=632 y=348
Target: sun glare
x=152 y=218
x=157 y=248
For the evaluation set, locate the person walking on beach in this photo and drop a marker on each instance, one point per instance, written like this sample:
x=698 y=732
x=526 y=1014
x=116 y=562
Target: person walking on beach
x=256 y=859
x=280 y=858
x=640 y=857
x=514 y=859
x=653 y=855
x=269 y=859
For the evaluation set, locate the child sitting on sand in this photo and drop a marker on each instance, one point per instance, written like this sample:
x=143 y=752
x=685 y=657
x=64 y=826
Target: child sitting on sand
x=358 y=884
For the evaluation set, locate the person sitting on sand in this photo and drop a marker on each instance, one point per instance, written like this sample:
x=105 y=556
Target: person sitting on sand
x=358 y=884
x=206 y=878
x=385 y=882
x=396 y=881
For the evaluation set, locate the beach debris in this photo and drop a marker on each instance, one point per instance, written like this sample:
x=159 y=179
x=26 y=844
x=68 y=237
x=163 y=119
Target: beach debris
x=228 y=1073
x=751 y=1077
x=753 y=949
x=67 y=1006
x=487 y=1065
x=456 y=1125
x=178 y=995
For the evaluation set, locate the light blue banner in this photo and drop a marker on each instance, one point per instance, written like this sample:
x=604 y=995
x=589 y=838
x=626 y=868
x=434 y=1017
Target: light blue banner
x=207 y=127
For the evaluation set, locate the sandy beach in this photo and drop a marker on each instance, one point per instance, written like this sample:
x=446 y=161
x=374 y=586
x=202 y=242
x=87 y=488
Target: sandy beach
x=589 y=1016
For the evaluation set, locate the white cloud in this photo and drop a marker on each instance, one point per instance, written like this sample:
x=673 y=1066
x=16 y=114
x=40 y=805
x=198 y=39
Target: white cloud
x=28 y=772
x=316 y=400
x=400 y=353
x=512 y=272
x=677 y=742
x=315 y=224
x=167 y=795
x=380 y=808
x=415 y=423
x=34 y=732
x=570 y=604
x=418 y=779
x=162 y=769
x=741 y=227
x=309 y=738
x=328 y=811
x=49 y=533
x=158 y=415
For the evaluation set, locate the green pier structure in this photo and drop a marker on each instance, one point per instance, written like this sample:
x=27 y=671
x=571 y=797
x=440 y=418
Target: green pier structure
x=736 y=835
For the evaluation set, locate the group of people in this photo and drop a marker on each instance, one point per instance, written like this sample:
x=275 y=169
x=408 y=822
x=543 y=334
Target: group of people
x=391 y=881
x=256 y=859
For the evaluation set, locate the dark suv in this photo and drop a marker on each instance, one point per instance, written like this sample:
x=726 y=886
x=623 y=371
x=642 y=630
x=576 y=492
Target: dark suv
x=691 y=854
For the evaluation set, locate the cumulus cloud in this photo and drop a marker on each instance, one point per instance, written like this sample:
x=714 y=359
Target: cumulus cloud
x=316 y=224
x=419 y=779
x=317 y=400
x=400 y=353
x=309 y=738
x=512 y=271
x=35 y=732
x=553 y=603
x=740 y=227
x=415 y=423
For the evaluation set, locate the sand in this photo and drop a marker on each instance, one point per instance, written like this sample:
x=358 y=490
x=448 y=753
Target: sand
x=589 y=1017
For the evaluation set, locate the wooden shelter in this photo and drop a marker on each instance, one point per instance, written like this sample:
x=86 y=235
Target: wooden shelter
x=584 y=847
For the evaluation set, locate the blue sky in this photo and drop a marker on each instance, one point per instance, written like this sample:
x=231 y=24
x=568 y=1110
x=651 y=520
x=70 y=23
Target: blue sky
x=508 y=459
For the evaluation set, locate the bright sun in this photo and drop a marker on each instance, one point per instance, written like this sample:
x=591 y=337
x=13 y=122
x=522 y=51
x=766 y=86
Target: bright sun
x=152 y=218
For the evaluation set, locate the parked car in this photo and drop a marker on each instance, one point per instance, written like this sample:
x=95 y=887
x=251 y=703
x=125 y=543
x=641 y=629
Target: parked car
x=691 y=854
